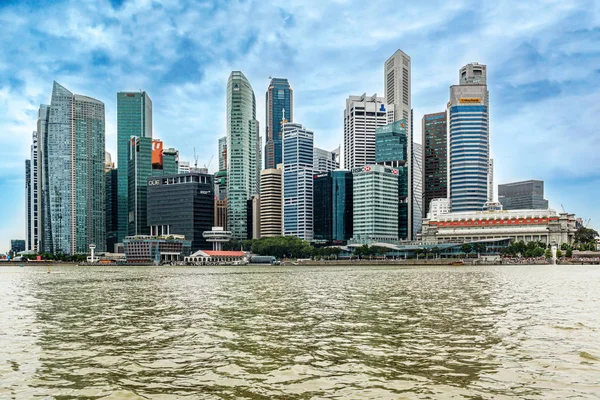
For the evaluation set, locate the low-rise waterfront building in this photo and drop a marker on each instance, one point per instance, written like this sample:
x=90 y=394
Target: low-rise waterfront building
x=546 y=226
x=204 y=257
x=147 y=249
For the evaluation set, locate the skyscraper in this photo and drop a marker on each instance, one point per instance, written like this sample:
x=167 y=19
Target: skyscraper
x=332 y=207
x=223 y=153
x=45 y=232
x=134 y=118
x=325 y=161
x=111 y=204
x=279 y=105
x=243 y=152
x=417 y=189
x=33 y=198
x=270 y=202
x=361 y=117
x=297 y=181
x=391 y=149
x=139 y=170
x=397 y=96
x=375 y=192
x=435 y=158
x=73 y=167
x=468 y=155
x=491 y=180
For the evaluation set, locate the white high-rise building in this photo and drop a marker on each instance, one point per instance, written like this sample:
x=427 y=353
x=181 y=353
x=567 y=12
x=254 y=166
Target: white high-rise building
x=326 y=161
x=397 y=97
x=32 y=196
x=270 y=202
x=362 y=116
x=491 y=192
x=417 y=189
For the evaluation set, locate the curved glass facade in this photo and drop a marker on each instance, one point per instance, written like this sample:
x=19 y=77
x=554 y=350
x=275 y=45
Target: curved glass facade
x=243 y=152
x=469 y=157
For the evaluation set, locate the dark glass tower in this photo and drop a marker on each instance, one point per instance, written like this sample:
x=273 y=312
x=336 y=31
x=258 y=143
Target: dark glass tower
x=112 y=217
x=279 y=101
x=134 y=118
x=435 y=162
x=332 y=207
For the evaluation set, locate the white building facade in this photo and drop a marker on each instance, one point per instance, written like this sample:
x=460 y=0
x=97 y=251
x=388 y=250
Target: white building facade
x=375 y=204
x=363 y=114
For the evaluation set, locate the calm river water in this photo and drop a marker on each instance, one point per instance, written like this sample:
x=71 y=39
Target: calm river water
x=300 y=333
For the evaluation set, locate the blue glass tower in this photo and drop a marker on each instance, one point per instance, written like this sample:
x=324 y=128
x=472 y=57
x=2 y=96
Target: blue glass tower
x=468 y=150
x=279 y=105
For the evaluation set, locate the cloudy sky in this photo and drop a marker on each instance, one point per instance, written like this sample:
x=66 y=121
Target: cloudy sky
x=543 y=63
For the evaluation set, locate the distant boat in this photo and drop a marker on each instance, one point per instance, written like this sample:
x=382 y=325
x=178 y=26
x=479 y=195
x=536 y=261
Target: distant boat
x=457 y=263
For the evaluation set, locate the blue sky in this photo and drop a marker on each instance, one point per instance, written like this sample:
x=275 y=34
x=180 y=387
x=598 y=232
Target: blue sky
x=543 y=63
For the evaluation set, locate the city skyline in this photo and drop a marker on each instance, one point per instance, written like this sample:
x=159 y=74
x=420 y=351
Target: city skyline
x=538 y=77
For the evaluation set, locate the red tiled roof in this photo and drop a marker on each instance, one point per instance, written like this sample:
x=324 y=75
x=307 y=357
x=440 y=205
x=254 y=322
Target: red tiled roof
x=213 y=253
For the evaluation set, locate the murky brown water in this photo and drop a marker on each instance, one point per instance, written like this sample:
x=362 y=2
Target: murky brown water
x=272 y=332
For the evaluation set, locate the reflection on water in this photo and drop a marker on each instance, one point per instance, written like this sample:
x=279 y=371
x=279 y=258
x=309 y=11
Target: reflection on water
x=272 y=332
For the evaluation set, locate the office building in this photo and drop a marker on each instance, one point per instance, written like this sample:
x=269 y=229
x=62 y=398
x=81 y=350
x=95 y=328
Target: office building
x=223 y=153
x=297 y=181
x=332 y=207
x=435 y=157
x=491 y=181
x=17 y=246
x=397 y=88
x=255 y=232
x=438 y=207
x=546 y=226
x=361 y=117
x=391 y=150
x=134 y=119
x=468 y=140
x=417 y=189
x=375 y=204
x=271 y=202
x=45 y=228
x=72 y=161
x=243 y=152
x=112 y=205
x=325 y=161
x=279 y=104
x=182 y=204
x=144 y=249
x=140 y=169
x=525 y=195
x=220 y=213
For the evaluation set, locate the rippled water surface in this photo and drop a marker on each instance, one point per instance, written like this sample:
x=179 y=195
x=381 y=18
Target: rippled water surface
x=273 y=332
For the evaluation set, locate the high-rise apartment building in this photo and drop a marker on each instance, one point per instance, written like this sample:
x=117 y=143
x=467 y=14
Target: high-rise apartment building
x=325 y=161
x=45 y=228
x=140 y=169
x=134 y=119
x=435 y=157
x=271 y=201
x=72 y=172
x=32 y=197
x=525 y=195
x=468 y=140
x=362 y=116
x=417 y=189
x=243 y=152
x=391 y=150
x=332 y=207
x=375 y=204
x=297 y=181
x=182 y=204
x=279 y=104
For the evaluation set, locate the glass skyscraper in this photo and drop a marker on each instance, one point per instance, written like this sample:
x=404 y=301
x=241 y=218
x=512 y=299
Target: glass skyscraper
x=73 y=172
x=243 y=152
x=279 y=105
x=297 y=181
x=391 y=149
x=332 y=207
x=435 y=162
x=134 y=119
x=469 y=135
x=139 y=170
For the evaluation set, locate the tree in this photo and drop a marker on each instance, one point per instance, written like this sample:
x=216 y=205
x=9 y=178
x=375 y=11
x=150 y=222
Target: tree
x=479 y=248
x=559 y=253
x=436 y=251
x=585 y=235
x=548 y=253
x=569 y=253
x=466 y=248
x=538 y=252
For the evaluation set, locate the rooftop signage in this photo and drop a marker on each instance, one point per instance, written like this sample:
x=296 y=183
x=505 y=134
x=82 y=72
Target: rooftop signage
x=470 y=100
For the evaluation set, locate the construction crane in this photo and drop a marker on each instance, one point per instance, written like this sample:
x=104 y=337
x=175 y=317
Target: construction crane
x=563 y=208
x=208 y=165
x=195 y=159
x=586 y=223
